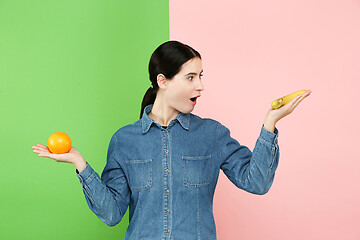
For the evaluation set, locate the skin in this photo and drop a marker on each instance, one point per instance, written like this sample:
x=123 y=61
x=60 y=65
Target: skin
x=274 y=115
x=174 y=94
x=173 y=97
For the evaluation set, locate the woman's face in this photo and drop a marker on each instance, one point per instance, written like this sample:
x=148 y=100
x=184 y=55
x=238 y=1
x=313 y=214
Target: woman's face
x=186 y=84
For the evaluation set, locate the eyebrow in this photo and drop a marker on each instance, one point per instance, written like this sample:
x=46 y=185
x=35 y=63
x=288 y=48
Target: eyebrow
x=194 y=73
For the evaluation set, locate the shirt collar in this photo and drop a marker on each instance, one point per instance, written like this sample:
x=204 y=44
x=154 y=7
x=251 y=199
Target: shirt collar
x=183 y=118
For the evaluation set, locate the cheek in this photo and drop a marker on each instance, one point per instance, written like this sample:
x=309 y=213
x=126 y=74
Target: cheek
x=179 y=91
x=178 y=95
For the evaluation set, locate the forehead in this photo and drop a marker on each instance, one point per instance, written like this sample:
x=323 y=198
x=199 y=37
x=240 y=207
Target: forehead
x=193 y=64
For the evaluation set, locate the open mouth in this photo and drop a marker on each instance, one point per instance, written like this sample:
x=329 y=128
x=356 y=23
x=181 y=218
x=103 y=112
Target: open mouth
x=193 y=99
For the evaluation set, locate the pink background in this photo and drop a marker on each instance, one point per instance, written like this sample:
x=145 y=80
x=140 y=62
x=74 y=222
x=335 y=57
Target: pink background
x=255 y=52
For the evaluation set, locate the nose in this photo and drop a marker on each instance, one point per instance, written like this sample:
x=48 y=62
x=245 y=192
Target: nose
x=200 y=86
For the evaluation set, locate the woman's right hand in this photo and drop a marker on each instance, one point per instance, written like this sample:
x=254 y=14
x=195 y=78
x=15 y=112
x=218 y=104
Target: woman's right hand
x=73 y=156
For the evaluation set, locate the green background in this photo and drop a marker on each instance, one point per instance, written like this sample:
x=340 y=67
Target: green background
x=79 y=67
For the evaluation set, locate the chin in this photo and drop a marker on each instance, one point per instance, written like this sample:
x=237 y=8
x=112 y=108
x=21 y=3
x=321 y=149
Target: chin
x=188 y=110
x=185 y=110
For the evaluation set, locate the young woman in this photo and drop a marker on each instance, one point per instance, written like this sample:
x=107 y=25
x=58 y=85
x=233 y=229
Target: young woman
x=165 y=166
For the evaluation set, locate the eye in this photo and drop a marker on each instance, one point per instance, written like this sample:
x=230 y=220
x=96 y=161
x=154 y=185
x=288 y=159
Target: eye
x=190 y=77
x=201 y=75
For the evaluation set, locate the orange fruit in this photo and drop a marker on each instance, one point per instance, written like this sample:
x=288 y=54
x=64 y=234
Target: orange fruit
x=59 y=142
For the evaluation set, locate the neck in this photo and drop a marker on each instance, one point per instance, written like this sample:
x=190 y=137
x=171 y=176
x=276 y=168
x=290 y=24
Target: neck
x=162 y=113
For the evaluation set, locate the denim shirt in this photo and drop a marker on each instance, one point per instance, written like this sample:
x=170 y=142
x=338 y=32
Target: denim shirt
x=167 y=176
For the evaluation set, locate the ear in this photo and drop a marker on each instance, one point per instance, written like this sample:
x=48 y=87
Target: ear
x=161 y=80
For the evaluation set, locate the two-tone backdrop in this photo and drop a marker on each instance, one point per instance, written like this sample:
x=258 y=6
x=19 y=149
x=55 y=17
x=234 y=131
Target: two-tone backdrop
x=81 y=67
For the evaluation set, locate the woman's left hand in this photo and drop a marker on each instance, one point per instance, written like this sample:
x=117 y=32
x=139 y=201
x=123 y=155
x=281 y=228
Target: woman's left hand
x=274 y=115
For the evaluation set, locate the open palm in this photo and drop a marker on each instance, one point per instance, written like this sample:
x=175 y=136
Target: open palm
x=69 y=157
x=277 y=114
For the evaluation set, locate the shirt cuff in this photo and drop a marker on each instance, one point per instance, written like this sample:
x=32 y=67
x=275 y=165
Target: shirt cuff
x=86 y=173
x=269 y=137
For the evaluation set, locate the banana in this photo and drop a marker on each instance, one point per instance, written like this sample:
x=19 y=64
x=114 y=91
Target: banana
x=284 y=100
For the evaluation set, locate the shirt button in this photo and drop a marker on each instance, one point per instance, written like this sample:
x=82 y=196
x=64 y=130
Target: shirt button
x=167 y=231
x=167 y=191
x=168 y=211
x=167 y=171
x=165 y=133
x=166 y=151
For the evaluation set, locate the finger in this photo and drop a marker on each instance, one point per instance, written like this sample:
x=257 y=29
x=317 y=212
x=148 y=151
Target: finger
x=40 y=153
x=41 y=149
x=307 y=93
x=290 y=106
x=295 y=104
x=51 y=156
x=46 y=149
x=37 y=150
x=37 y=147
x=300 y=99
x=292 y=102
x=43 y=154
x=42 y=146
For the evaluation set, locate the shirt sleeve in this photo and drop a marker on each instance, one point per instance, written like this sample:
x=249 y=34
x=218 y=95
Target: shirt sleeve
x=108 y=197
x=251 y=171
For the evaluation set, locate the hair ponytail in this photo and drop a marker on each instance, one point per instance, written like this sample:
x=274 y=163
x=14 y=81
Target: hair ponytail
x=166 y=59
x=149 y=98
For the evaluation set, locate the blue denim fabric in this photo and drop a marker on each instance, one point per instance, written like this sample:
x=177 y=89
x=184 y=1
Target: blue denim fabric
x=167 y=177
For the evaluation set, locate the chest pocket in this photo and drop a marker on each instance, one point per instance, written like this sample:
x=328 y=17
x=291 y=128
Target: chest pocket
x=196 y=170
x=139 y=174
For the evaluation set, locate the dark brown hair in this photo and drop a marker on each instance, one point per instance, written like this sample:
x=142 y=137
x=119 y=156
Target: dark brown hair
x=166 y=59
